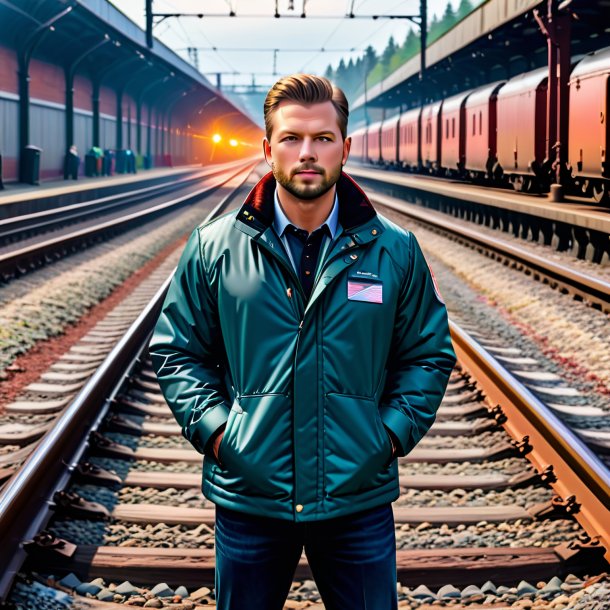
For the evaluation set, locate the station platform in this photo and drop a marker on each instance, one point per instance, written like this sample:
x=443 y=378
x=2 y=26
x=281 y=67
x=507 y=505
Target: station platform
x=575 y=211
x=18 y=198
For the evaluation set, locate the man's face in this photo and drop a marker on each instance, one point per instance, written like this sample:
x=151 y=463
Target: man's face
x=306 y=151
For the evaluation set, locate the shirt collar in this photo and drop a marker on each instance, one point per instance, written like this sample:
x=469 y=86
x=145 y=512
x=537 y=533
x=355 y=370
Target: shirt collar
x=281 y=221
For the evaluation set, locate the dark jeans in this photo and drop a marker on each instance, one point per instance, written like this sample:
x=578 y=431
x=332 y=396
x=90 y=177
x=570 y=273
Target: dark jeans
x=352 y=558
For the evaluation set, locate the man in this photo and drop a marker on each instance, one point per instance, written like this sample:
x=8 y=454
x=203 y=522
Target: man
x=302 y=347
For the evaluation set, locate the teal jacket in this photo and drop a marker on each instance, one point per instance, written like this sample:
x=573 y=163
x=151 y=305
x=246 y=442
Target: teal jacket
x=306 y=389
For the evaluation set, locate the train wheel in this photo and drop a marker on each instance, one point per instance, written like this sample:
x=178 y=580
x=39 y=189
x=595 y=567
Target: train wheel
x=600 y=192
x=585 y=187
x=522 y=184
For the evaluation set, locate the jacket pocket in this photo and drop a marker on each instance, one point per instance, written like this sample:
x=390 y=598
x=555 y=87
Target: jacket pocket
x=357 y=447
x=256 y=452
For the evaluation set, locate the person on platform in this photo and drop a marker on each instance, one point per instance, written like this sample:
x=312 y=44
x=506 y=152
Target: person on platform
x=303 y=346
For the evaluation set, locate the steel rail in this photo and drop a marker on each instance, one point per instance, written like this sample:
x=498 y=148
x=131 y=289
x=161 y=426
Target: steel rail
x=30 y=254
x=582 y=481
x=581 y=214
x=50 y=218
x=591 y=288
x=26 y=499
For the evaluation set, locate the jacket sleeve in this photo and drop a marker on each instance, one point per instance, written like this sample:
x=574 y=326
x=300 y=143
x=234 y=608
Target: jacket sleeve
x=185 y=350
x=421 y=356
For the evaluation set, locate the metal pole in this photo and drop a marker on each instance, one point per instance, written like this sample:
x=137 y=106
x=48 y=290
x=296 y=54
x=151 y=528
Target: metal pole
x=423 y=43
x=24 y=56
x=563 y=31
x=95 y=102
x=556 y=28
x=149 y=23
x=119 y=118
x=70 y=70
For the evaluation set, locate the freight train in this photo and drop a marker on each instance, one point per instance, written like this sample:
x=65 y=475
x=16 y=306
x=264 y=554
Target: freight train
x=496 y=134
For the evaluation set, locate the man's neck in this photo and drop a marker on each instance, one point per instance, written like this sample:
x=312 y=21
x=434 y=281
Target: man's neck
x=306 y=214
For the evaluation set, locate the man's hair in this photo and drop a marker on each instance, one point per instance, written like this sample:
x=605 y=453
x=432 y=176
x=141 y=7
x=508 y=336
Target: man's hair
x=305 y=89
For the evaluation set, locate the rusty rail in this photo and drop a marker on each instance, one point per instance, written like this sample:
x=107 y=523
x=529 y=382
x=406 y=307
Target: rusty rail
x=47 y=247
x=582 y=481
x=588 y=287
x=26 y=499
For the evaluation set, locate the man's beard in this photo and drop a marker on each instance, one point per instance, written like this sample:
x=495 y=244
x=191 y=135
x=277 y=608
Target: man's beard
x=307 y=192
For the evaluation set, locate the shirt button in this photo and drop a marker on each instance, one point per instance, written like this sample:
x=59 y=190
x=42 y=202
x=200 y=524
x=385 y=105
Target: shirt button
x=299 y=508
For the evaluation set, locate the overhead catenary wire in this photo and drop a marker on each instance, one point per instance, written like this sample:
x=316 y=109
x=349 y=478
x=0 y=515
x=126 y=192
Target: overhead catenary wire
x=220 y=51
x=323 y=45
x=233 y=15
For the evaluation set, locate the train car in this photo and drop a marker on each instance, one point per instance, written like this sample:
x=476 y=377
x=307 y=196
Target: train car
x=373 y=143
x=430 y=137
x=358 y=147
x=589 y=130
x=481 y=114
x=389 y=141
x=453 y=134
x=409 y=152
x=522 y=115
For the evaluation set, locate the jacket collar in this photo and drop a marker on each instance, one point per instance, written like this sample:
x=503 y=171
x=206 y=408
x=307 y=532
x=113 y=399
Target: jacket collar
x=355 y=209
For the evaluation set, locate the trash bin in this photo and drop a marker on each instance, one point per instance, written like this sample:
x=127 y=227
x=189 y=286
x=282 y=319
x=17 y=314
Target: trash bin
x=121 y=161
x=147 y=161
x=130 y=161
x=93 y=161
x=107 y=162
x=31 y=164
x=90 y=164
x=1 y=182
x=72 y=164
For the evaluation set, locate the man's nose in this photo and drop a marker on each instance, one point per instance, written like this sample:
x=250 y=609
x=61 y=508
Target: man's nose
x=308 y=151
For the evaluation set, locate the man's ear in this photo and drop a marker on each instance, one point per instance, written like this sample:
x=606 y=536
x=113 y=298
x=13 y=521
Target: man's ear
x=267 y=151
x=347 y=144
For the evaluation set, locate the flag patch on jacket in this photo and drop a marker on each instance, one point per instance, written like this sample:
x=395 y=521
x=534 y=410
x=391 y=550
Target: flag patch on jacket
x=370 y=292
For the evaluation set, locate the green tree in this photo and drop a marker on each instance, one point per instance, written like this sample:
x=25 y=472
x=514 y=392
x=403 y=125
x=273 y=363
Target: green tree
x=388 y=54
x=464 y=9
x=373 y=69
x=448 y=20
x=369 y=60
x=410 y=46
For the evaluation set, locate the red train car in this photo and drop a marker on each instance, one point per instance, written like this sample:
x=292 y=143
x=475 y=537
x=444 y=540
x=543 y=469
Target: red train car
x=373 y=140
x=409 y=155
x=498 y=131
x=358 y=148
x=453 y=134
x=589 y=129
x=430 y=137
x=389 y=141
x=481 y=114
x=522 y=127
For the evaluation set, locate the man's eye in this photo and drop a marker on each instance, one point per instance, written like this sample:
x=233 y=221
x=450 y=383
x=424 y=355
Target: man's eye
x=289 y=139
x=325 y=138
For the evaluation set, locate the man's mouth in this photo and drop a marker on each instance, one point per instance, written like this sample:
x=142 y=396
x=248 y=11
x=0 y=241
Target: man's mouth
x=311 y=172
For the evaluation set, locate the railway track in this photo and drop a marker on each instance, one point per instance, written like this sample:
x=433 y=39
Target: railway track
x=32 y=240
x=581 y=285
x=575 y=226
x=500 y=501
x=589 y=420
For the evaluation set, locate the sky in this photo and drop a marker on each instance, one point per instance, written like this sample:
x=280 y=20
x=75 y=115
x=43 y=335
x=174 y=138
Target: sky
x=242 y=48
